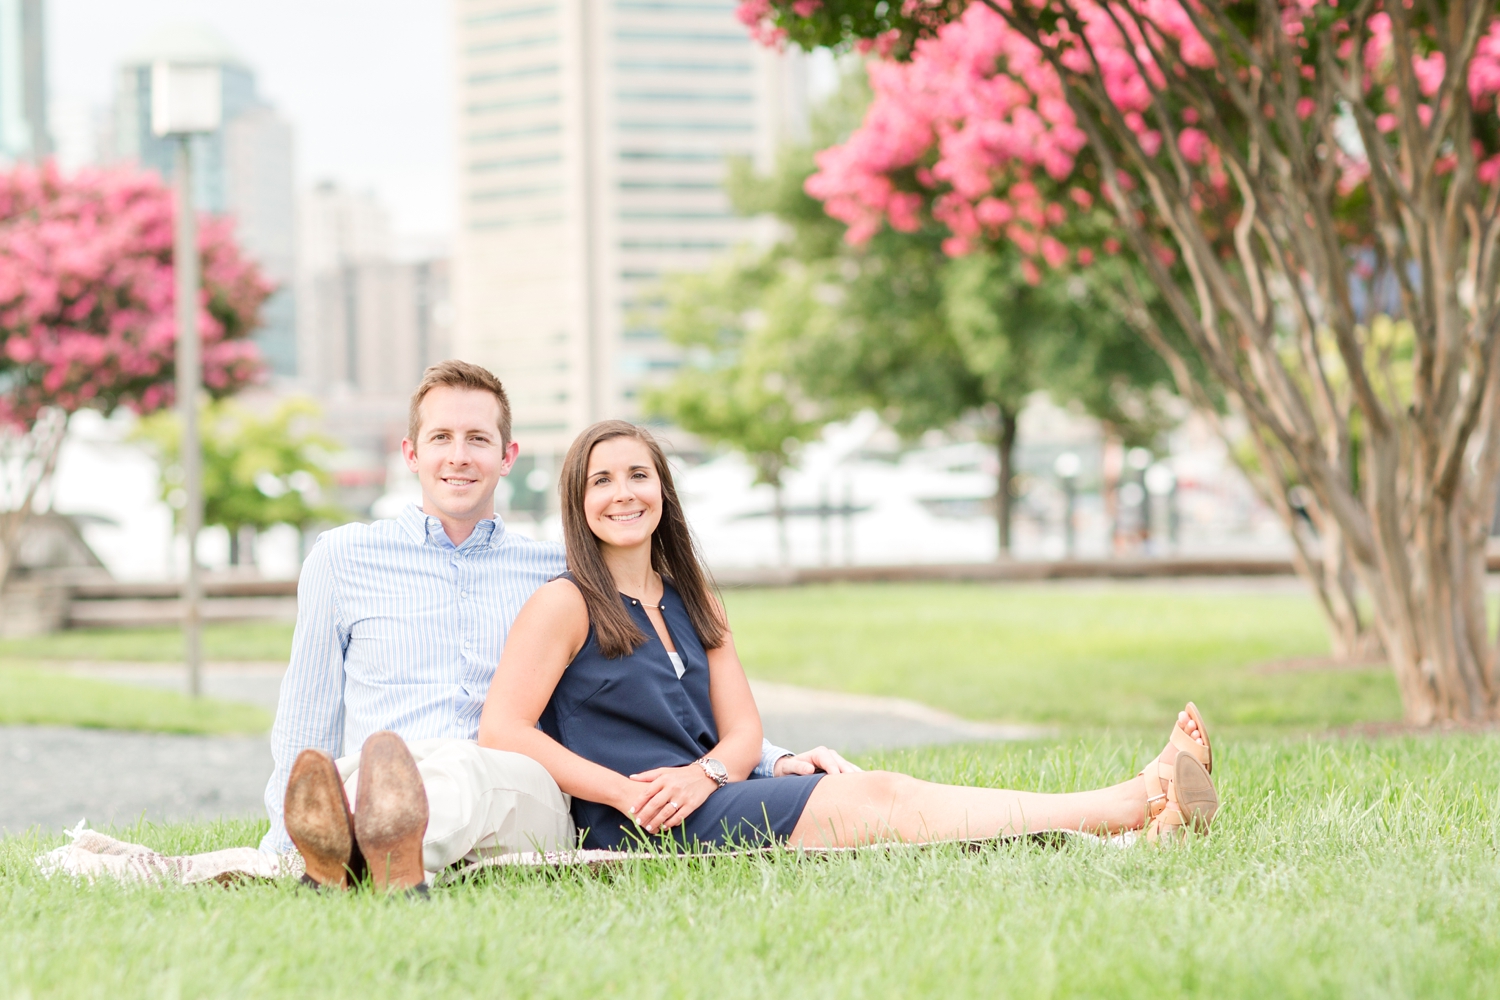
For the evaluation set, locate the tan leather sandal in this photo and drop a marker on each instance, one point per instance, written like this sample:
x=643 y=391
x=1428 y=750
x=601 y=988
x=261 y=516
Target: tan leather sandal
x=1158 y=773
x=1191 y=802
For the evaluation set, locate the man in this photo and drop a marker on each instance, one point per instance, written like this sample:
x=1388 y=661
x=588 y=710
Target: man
x=400 y=624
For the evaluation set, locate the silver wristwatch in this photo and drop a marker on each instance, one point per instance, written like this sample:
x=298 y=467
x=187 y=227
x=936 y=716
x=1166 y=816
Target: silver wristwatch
x=714 y=769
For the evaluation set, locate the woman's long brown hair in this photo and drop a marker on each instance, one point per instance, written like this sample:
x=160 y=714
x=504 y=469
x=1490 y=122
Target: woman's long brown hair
x=673 y=553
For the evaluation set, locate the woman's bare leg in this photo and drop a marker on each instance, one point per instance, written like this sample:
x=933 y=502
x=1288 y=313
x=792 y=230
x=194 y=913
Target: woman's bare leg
x=865 y=806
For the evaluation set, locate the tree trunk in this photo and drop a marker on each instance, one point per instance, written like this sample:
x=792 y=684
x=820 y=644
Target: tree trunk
x=27 y=461
x=1253 y=255
x=783 y=546
x=1004 y=500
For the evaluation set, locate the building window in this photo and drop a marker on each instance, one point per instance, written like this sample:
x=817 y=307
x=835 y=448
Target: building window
x=685 y=97
x=538 y=101
x=674 y=66
x=501 y=135
x=648 y=244
x=696 y=37
x=516 y=14
x=511 y=222
x=513 y=163
x=681 y=126
x=642 y=216
x=501 y=194
x=510 y=45
x=670 y=156
x=548 y=69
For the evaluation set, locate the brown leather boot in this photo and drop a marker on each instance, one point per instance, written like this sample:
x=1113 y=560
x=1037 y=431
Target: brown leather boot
x=317 y=817
x=390 y=813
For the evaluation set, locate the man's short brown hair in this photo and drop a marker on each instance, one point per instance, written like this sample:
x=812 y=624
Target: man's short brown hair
x=458 y=375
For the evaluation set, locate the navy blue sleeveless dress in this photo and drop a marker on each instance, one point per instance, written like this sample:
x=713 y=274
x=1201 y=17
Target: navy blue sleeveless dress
x=634 y=713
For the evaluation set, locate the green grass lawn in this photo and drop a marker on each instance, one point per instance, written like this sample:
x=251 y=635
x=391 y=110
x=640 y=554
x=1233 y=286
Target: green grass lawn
x=1078 y=656
x=221 y=641
x=39 y=697
x=1338 y=868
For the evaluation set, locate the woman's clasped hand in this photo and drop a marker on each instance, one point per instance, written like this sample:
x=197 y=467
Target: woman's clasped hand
x=663 y=797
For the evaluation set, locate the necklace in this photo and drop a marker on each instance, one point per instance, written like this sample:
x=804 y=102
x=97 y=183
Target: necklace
x=643 y=604
x=653 y=607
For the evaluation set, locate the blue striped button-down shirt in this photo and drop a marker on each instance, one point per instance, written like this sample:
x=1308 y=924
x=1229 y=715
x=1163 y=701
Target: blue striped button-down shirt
x=398 y=628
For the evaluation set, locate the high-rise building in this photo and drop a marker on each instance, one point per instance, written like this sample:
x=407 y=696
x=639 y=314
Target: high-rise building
x=593 y=138
x=23 y=82
x=245 y=169
x=371 y=315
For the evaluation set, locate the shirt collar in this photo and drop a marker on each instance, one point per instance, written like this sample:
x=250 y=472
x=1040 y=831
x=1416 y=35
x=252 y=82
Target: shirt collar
x=423 y=527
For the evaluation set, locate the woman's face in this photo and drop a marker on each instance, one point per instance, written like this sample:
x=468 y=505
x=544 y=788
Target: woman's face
x=622 y=495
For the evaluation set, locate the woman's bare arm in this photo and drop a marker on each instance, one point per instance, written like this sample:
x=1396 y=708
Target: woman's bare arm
x=550 y=630
x=735 y=714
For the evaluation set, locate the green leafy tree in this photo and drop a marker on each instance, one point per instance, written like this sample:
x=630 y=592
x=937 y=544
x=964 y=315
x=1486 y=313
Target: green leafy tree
x=898 y=326
x=734 y=390
x=258 y=471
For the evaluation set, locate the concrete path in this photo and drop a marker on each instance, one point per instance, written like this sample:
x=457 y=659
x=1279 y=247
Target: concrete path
x=51 y=777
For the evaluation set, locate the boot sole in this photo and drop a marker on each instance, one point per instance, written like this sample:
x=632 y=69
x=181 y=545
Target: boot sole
x=316 y=812
x=390 y=813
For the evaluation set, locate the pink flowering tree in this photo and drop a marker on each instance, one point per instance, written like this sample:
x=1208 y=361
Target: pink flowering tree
x=1312 y=187
x=87 y=314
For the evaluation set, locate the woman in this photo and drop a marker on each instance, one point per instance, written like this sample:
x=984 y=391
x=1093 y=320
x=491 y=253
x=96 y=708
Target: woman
x=622 y=680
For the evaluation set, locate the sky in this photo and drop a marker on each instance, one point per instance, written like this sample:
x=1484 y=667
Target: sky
x=366 y=83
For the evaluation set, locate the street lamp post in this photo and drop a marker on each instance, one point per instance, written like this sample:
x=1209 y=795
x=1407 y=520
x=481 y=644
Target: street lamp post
x=185 y=101
x=1066 y=467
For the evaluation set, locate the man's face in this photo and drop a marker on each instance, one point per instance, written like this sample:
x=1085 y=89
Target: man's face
x=458 y=455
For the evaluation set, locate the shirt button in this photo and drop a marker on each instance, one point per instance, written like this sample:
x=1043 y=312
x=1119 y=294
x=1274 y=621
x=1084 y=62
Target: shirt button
x=466 y=644
x=463 y=593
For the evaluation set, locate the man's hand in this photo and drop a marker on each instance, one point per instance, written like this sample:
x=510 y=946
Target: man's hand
x=816 y=759
x=665 y=796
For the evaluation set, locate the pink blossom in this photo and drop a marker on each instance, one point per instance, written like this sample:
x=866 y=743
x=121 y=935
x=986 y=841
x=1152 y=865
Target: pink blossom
x=1484 y=69
x=87 y=312
x=979 y=118
x=1193 y=143
x=1488 y=171
x=1053 y=251
x=1429 y=72
x=757 y=16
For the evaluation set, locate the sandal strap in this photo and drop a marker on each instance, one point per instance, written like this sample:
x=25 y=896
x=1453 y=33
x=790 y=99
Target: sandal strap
x=1184 y=743
x=1158 y=777
x=1167 y=818
x=1168 y=823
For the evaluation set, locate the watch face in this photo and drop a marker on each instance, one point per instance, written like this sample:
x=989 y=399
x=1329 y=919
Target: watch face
x=717 y=769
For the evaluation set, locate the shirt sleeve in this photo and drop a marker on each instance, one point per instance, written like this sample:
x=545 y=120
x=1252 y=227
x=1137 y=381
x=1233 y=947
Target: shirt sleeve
x=770 y=753
x=310 y=711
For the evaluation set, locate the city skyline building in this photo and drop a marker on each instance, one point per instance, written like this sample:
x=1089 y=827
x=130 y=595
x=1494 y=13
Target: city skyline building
x=373 y=318
x=372 y=315
x=24 y=135
x=245 y=169
x=593 y=140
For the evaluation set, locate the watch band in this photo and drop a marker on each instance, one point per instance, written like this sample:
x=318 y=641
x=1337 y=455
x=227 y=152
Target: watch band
x=714 y=769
